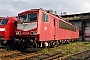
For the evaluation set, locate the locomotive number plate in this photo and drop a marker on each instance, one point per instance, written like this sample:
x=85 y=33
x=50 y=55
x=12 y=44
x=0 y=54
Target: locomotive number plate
x=25 y=33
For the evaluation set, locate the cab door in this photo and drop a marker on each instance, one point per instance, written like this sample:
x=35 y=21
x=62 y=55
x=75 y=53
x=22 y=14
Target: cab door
x=44 y=27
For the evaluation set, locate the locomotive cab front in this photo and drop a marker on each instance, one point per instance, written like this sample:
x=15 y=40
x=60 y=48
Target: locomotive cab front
x=8 y=26
x=27 y=25
x=3 y=23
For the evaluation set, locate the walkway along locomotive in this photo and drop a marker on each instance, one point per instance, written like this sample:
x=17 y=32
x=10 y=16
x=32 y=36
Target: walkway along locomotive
x=37 y=28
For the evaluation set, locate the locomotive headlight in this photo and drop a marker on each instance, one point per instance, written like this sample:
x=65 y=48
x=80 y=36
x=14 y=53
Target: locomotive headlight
x=18 y=33
x=33 y=33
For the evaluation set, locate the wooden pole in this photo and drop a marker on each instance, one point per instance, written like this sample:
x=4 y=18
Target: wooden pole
x=83 y=29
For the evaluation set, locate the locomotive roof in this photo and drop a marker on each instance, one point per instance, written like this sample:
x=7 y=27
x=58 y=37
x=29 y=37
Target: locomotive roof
x=36 y=10
x=6 y=17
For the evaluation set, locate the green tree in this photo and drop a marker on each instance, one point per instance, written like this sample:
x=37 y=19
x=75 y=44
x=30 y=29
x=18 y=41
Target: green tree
x=55 y=12
x=61 y=14
x=64 y=13
x=51 y=11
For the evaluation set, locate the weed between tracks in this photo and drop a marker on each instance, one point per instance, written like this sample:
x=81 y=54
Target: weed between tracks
x=67 y=48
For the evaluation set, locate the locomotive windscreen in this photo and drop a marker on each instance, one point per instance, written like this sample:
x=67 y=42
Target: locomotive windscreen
x=3 y=21
x=28 y=17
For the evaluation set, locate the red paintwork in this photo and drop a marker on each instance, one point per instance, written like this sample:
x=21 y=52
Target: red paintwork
x=9 y=28
x=46 y=30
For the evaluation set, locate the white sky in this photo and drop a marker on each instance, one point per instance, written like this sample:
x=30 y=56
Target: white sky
x=13 y=7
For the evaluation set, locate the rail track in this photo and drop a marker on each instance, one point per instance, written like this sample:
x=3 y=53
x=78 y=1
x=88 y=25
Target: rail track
x=17 y=55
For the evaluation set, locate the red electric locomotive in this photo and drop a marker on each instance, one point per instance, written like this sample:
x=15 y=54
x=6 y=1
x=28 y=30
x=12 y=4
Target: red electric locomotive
x=8 y=25
x=37 y=28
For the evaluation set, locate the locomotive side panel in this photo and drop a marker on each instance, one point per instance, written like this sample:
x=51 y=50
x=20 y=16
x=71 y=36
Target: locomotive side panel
x=67 y=31
x=56 y=29
x=7 y=27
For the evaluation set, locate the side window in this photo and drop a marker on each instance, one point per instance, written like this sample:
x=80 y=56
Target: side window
x=45 y=18
x=4 y=22
x=66 y=26
x=60 y=24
